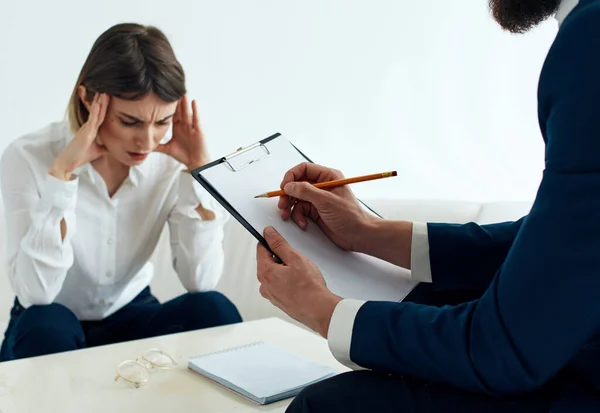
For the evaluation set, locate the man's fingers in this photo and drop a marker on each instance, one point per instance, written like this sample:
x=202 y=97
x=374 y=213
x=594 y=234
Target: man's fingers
x=264 y=270
x=263 y=291
x=284 y=202
x=285 y=206
x=303 y=174
x=300 y=212
x=308 y=171
x=264 y=258
x=306 y=192
x=285 y=213
x=278 y=244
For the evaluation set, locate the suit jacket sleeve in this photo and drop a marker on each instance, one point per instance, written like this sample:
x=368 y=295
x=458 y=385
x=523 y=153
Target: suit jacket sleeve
x=467 y=256
x=517 y=336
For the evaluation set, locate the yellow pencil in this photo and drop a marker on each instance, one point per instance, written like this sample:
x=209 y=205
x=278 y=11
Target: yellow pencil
x=334 y=183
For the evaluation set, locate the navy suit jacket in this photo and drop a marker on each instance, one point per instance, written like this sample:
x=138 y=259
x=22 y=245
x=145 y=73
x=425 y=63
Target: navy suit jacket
x=538 y=320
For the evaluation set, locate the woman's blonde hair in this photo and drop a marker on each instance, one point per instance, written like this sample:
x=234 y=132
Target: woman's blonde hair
x=128 y=61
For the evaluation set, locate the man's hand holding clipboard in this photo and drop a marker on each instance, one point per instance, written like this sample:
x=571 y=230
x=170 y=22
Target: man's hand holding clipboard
x=338 y=214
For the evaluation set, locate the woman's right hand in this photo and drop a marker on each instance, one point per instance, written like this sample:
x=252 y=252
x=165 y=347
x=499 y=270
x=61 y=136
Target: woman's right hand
x=335 y=211
x=83 y=147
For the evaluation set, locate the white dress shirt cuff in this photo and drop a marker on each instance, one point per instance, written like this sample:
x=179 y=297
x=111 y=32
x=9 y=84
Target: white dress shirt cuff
x=420 y=266
x=191 y=194
x=58 y=193
x=339 y=335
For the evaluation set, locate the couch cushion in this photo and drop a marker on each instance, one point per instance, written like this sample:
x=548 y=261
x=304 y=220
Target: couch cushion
x=239 y=281
x=503 y=211
x=425 y=210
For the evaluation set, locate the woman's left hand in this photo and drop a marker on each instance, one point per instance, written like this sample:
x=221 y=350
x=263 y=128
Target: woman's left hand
x=187 y=144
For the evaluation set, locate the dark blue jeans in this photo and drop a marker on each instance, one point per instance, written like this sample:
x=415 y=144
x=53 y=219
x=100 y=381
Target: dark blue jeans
x=48 y=329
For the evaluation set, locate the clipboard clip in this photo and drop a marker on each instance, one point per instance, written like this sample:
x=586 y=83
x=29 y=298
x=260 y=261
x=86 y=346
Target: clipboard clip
x=246 y=162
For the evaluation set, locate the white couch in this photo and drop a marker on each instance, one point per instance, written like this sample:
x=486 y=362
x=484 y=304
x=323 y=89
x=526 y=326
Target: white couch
x=239 y=282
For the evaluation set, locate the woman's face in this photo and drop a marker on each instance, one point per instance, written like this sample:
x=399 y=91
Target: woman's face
x=134 y=128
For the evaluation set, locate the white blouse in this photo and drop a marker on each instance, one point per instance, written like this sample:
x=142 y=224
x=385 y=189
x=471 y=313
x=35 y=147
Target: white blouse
x=103 y=261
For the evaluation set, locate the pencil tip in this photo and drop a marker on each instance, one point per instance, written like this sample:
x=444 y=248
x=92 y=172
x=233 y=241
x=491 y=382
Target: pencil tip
x=260 y=196
x=395 y=173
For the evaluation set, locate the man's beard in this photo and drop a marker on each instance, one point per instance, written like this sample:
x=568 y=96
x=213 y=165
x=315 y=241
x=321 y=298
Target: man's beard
x=519 y=16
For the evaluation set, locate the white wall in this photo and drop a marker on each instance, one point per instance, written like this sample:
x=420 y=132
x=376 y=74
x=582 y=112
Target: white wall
x=431 y=88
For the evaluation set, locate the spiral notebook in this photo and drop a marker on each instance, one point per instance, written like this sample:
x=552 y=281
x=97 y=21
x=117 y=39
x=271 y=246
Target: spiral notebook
x=260 y=371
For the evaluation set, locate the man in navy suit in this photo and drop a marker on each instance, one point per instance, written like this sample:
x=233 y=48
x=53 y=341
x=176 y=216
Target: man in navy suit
x=507 y=316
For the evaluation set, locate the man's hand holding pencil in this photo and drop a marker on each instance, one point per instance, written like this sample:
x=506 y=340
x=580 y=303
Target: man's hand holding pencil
x=314 y=193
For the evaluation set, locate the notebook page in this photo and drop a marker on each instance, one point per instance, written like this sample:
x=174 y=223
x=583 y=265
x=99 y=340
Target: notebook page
x=349 y=275
x=262 y=369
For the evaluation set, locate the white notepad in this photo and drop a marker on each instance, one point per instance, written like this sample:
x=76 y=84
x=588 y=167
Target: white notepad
x=260 y=371
x=234 y=182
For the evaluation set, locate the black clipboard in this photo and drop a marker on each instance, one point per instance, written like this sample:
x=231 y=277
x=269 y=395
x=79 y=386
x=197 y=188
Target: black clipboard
x=343 y=271
x=196 y=173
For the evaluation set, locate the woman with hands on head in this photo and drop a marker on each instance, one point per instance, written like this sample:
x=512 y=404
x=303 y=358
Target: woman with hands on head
x=86 y=200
